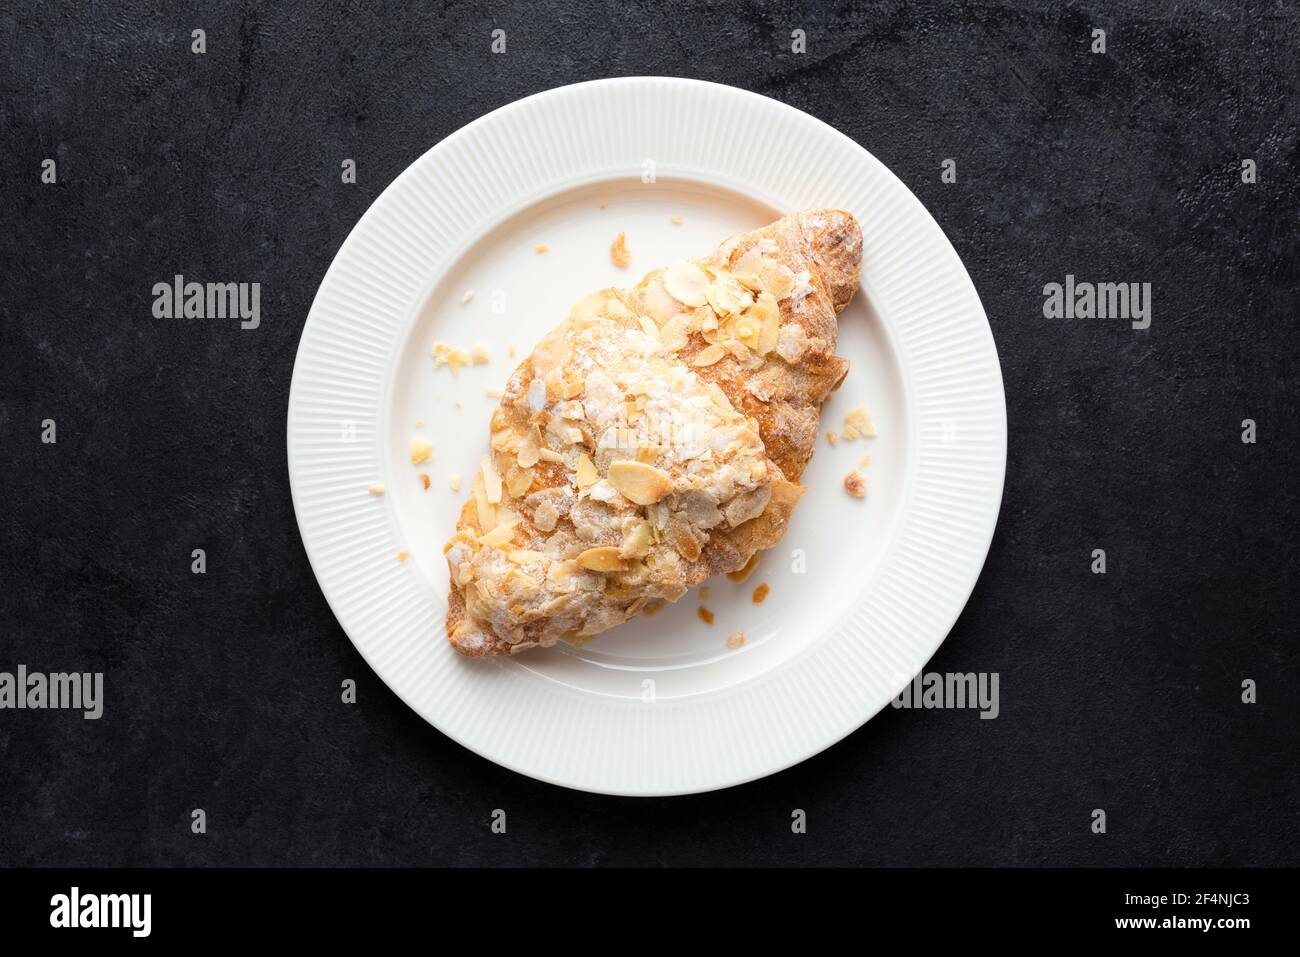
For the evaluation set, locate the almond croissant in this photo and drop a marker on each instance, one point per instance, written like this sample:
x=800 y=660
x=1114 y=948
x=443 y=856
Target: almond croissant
x=653 y=439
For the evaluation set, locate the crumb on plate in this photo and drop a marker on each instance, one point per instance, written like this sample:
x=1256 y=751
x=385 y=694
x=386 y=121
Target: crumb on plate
x=454 y=481
x=403 y=556
x=421 y=450
x=706 y=616
x=479 y=354
x=376 y=489
x=445 y=355
x=618 y=252
x=704 y=593
x=424 y=479
x=736 y=640
x=541 y=248
x=469 y=294
x=760 y=593
x=858 y=423
x=855 y=483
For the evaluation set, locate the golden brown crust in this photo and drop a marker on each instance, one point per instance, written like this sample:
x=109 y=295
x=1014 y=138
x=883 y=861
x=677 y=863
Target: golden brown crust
x=567 y=535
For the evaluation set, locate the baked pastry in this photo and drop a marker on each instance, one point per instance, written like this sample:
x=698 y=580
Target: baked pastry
x=653 y=439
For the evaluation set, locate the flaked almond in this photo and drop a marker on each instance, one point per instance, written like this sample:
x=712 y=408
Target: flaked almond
x=727 y=296
x=777 y=278
x=485 y=510
x=523 y=556
x=518 y=481
x=683 y=538
x=587 y=472
x=767 y=314
x=602 y=558
x=500 y=535
x=643 y=484
x=491 y=479
x=709 y=355
x=675 y=331
x=648 y=326
x=686 y=282
x=637 y=541
x=528 y=455
x=549 y=455
x=421 y=450
x=618 y=252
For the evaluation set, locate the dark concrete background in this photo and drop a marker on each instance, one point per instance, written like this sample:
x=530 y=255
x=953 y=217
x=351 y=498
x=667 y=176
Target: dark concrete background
x=1119 y=691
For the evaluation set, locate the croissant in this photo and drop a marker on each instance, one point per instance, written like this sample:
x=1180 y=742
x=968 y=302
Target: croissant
x=653 y=439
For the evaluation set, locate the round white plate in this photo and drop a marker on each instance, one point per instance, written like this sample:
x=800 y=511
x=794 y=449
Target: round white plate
x=862 y=592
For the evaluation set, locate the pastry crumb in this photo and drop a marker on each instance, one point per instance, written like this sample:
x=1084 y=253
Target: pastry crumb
x=832 y=437
x=855 y=483
x=706 y=616
x=604 y=205
x=760 y=593
x=376 y=489
x=469 y=294
x=541 y=248
x=424 y=480
x=736 y=640
x=493 y=393
x=403 y=556
x=511 y=352
x=866 y=460
x=419 y=423
x=676 y=220
x=445 y=355
x=704 y=593
x=421 y=450
x=479 y=354
x=619 y=254
x=454 y=481
x=858 y=423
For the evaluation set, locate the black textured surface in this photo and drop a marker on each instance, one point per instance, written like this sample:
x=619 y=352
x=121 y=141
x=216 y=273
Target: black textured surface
x=1119 y=691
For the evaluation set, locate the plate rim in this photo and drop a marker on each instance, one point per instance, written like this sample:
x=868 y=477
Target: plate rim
x=520 y=201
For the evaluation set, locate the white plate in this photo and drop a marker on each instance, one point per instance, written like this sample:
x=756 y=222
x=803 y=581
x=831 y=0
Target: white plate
x=660 y=705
